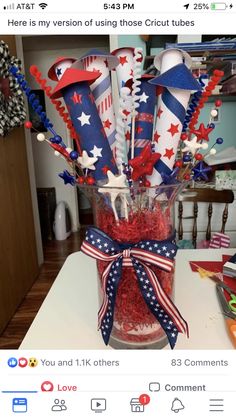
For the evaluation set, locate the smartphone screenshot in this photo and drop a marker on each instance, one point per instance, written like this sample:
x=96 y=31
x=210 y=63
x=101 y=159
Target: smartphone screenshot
x=117 y=209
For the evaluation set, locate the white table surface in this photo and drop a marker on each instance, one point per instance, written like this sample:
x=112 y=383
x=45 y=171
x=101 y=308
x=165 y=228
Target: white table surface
x=67 y=318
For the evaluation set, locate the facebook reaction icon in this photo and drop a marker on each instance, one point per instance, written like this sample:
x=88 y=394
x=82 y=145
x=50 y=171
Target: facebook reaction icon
x=19 y=405
x=12 y=362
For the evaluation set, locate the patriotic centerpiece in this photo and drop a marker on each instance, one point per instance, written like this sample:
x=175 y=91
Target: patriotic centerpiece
x=132 y=166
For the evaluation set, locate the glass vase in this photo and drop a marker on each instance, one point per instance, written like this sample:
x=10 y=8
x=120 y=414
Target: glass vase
x=130 y=217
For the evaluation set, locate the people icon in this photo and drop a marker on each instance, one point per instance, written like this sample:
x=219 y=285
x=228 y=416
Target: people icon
x=63 y=406
x=59 y=406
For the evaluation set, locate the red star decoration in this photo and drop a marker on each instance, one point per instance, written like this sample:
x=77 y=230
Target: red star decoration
x=76 y=98
x=107 y=123
x=103 y=132
x=173 y=129
x=159 y=112
x=105 y=169
x=202 y=132
x=127 y=135
x=126 y=112
x=138 y=130
x=123 y=60
x=169 y=153
x=143 y=164
x=91 y=97
x=156 y=137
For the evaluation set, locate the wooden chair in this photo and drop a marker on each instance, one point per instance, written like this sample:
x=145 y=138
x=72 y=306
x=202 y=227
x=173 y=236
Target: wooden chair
x=209 y=196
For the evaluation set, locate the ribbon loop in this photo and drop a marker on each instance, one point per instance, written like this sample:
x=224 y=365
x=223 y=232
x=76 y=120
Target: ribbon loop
x=140 y=256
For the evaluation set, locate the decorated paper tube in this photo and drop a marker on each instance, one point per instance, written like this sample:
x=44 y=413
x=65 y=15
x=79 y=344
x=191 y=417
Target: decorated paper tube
x=177 y=82
x=95 y=60
x=74 y=87
x=125 y=68
x=124 y=74
x=145 y=116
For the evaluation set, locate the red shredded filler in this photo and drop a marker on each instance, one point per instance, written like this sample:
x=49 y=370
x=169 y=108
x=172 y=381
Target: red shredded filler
x=132 y=316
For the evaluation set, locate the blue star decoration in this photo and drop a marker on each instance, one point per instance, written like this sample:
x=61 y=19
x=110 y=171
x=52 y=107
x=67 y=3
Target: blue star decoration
x=59 y=71
x=200 y=171
x=67 y=177
x=168 y=180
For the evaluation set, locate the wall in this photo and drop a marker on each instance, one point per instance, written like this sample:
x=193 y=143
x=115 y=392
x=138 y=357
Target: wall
x=227 y=126
x=43 y=51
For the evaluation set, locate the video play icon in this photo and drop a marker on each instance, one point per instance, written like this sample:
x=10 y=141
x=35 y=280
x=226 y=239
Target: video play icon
x=98 y=405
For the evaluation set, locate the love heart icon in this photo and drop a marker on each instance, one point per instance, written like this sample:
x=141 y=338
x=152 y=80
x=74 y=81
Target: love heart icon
x=47 y=386
x=22 y=362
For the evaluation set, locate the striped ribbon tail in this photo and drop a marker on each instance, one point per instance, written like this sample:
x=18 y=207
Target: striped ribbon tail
x=160 y=304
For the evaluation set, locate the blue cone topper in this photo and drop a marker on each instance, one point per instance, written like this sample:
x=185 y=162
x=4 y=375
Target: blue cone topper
x=178 y=77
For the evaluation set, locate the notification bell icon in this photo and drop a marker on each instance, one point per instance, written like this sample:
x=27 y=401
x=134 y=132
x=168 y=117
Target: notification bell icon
x=177 y=405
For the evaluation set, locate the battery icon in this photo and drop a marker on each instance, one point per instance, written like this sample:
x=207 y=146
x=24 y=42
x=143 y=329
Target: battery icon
x=218 y=6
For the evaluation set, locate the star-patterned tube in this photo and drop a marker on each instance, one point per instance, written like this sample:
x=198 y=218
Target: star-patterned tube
x=95 y=60
x=177 y=82
x=74 y=87
x=145 y=117
x=124 y=70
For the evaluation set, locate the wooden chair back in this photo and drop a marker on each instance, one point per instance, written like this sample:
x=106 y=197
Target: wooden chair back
x=209 y=196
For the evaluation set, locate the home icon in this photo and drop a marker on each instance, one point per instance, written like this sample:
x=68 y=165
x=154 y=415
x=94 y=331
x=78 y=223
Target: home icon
x=136 y=406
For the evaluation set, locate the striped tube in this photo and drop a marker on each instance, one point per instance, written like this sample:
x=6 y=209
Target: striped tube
x=171 y=110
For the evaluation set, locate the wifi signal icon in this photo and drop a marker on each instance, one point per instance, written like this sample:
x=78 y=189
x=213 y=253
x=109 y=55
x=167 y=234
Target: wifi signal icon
x=43 y=5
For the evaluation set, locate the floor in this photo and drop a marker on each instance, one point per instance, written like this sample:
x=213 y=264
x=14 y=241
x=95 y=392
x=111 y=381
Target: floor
x=55 y=253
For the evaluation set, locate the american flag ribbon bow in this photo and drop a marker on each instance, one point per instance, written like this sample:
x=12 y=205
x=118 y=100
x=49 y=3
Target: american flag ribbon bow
x=140 y=256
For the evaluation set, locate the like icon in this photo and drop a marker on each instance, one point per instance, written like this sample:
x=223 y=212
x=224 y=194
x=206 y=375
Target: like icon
x=47 y=386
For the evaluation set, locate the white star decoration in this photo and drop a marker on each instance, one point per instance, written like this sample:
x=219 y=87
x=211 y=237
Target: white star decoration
x=84 y=119
x=143 y=97
x=96 y=152
x=87 y=162
x=114 y=182
x=191 y=145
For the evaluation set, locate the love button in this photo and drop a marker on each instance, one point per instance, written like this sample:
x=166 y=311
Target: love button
x=66 y=388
